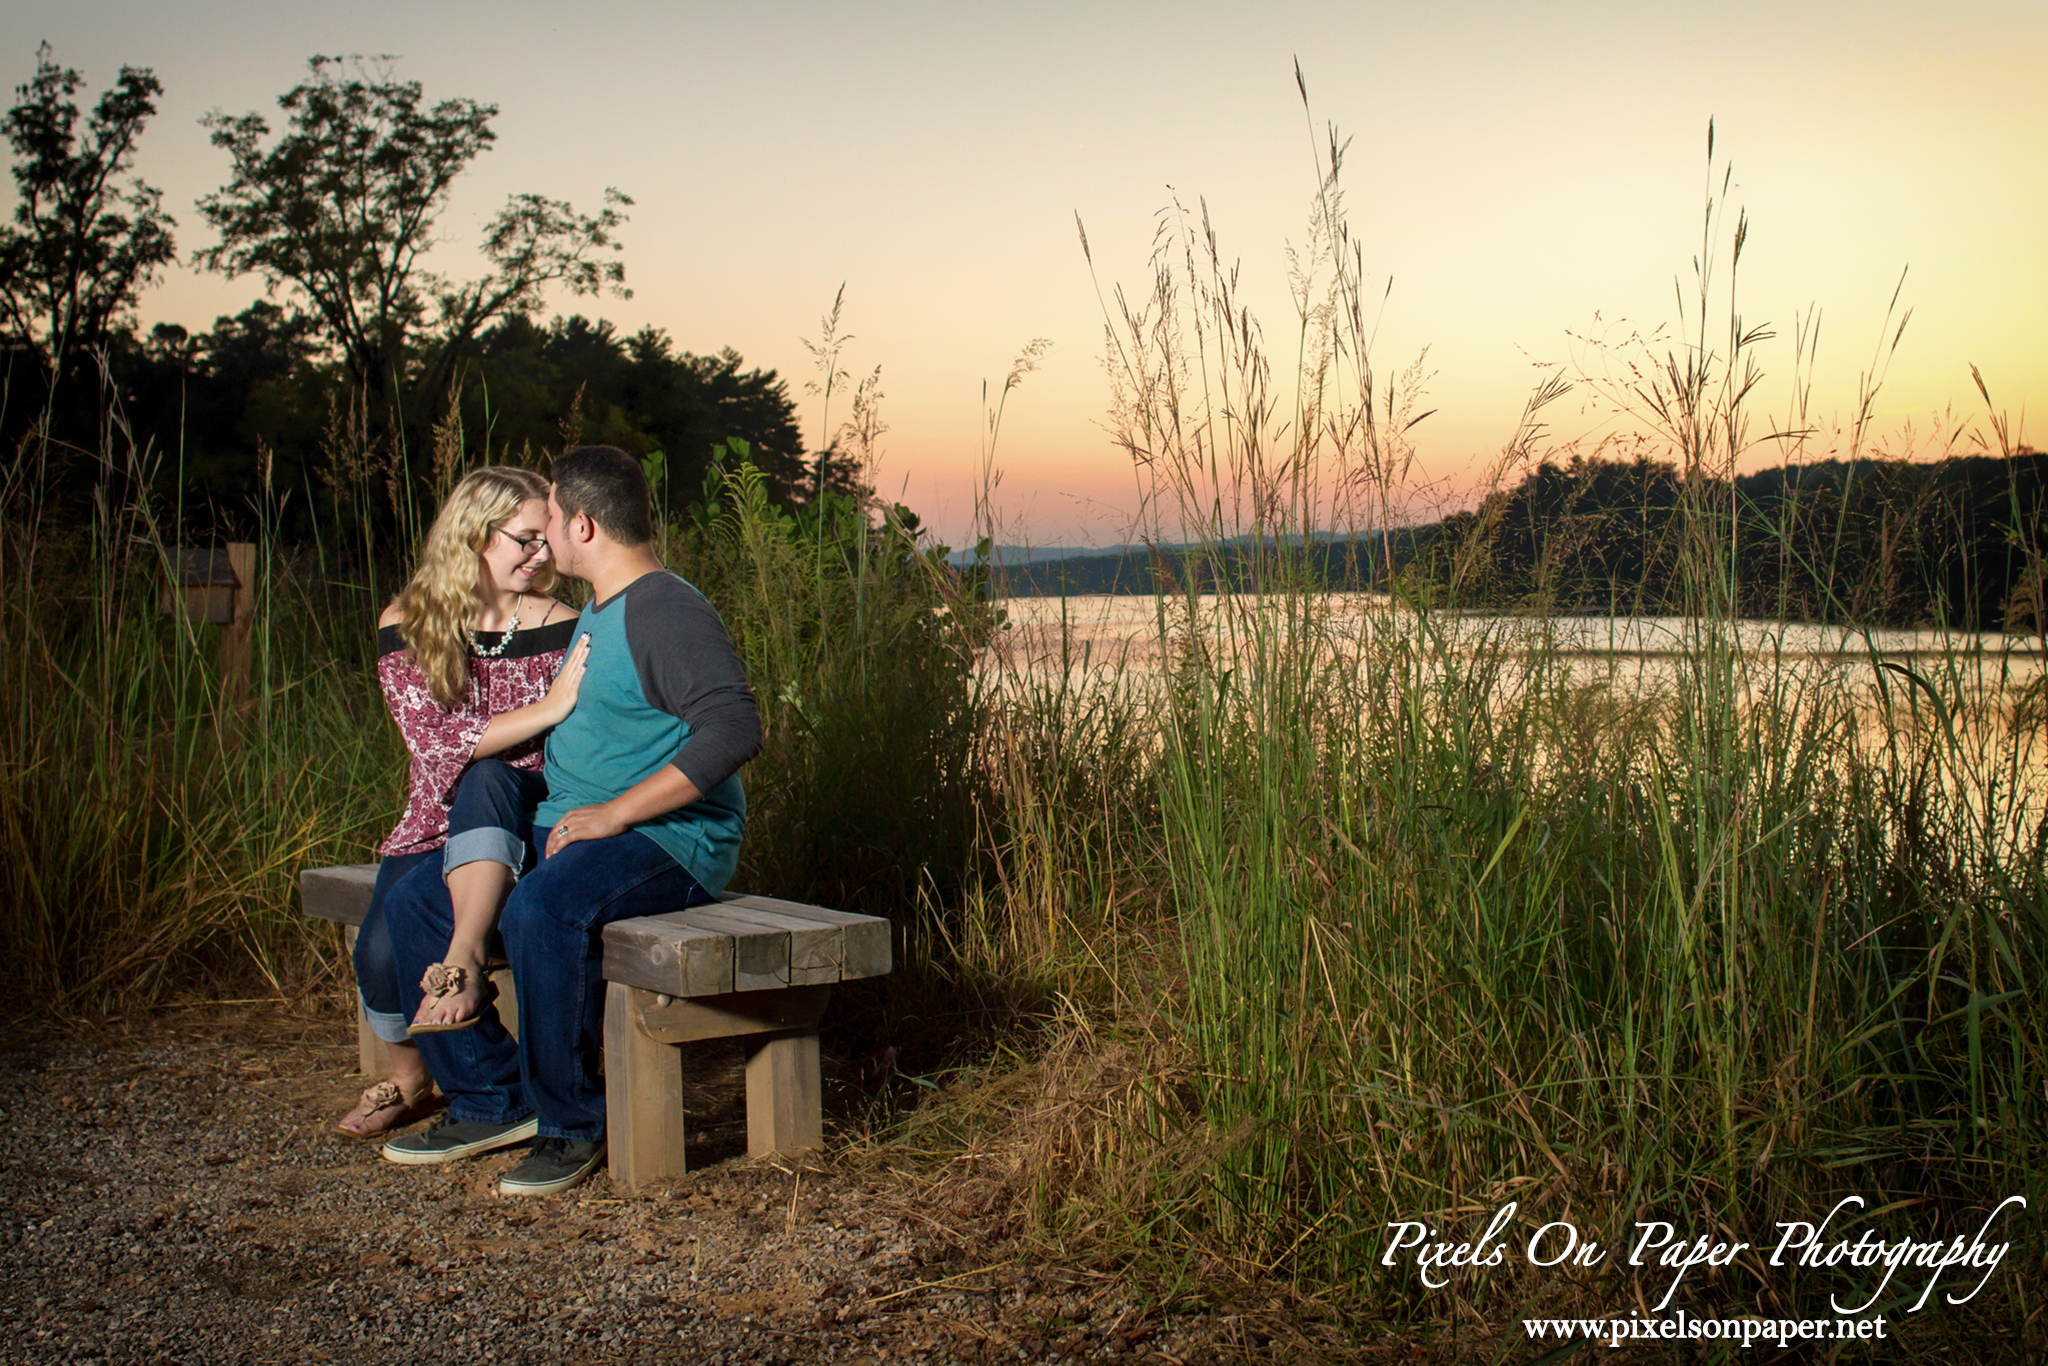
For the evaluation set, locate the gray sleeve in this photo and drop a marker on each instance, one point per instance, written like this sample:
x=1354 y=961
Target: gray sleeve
x=689 y=669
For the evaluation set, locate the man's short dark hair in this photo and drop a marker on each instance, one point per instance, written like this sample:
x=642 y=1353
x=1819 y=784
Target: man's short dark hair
x=606 y=485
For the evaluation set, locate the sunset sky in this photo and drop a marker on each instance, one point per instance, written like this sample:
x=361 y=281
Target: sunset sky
x=1524 y=173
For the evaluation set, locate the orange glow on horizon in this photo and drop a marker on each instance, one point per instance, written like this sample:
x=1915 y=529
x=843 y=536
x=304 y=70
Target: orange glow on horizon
x=1523 y=177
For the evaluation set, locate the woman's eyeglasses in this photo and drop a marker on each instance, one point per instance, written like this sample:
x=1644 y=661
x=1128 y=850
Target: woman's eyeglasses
x=529 y=546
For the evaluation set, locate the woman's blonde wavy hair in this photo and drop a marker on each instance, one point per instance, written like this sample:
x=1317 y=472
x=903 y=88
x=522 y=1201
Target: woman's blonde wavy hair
x=440 y=606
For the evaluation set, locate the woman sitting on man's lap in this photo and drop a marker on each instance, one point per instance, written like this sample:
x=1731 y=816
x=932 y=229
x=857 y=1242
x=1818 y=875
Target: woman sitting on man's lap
x=468 y=656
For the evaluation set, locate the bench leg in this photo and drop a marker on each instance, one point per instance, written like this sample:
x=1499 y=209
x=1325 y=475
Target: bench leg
x=784 y=1100
x=508 y=1001
x=643 y=1095
x=371 y=1059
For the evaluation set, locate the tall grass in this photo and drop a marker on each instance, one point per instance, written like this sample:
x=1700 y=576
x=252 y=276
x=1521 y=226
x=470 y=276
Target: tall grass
x=864 y=793
x=1457 y=926
x=152 y=816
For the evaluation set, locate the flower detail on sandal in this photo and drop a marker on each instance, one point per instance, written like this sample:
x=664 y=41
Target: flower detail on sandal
x=443 y=979
x=383 y=1107
x=382 y=1096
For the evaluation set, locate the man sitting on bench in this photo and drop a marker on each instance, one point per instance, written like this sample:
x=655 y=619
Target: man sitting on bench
x=643 y=815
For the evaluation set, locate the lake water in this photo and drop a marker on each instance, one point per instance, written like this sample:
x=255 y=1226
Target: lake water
x=1993 y=738
x=1107 y=631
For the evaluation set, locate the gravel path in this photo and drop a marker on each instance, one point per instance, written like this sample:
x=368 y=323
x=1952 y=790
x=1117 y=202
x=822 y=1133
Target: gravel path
x=175 y=1193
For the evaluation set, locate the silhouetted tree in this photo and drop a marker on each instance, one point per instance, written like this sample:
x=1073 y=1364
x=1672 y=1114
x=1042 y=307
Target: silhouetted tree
x=520 y=381
x=85 y=238
x=340 y=210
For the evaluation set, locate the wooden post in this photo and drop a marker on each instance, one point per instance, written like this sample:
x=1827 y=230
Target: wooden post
x=643 y=1094
x=235 y=637
x=201 y=586
x=785 y=1109
x=371 y=1059
x=508 y=1001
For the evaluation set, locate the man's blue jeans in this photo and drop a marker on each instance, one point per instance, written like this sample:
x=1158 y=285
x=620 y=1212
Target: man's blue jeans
x=553 y=928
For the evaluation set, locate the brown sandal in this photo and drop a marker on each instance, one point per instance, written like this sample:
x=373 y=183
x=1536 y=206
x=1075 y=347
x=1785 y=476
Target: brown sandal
x=385 y=1108
x=444 y=980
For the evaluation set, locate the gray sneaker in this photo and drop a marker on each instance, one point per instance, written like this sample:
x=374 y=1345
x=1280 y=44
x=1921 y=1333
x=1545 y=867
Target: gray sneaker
x=555 y=1164
x=448 y=1138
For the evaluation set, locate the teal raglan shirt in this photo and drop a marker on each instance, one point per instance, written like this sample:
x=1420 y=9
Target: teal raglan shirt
x=663 y=685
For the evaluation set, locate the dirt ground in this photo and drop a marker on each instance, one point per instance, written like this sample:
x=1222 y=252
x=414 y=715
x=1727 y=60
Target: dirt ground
x=173 y=1191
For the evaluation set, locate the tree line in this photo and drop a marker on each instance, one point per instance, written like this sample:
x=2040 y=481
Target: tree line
x=1955 y=542
x=357 y=350
x=1885 y=542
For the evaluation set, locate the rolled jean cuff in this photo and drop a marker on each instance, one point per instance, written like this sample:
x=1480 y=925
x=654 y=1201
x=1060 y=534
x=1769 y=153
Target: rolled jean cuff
x=485 y=844
x=386 y=1026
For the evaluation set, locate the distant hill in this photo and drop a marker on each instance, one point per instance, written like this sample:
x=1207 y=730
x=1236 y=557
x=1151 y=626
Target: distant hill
x=1335 y=562
x=1036 y=554
x=1961 y=542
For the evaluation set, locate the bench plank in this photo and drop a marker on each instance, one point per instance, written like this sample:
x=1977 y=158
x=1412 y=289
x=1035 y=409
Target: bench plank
x=760 y=952
x=338 y=894
x=868 y=949
x=663 y=953
x=815 y=949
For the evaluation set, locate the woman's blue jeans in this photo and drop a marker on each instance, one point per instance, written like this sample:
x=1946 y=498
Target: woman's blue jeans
x=493 y=804
x=553 y=929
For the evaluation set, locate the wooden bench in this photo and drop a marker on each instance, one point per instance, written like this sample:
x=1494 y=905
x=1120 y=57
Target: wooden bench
x=746 y=966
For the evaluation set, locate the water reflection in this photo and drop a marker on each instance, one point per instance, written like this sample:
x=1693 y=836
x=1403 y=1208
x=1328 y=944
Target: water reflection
x=1108 y=631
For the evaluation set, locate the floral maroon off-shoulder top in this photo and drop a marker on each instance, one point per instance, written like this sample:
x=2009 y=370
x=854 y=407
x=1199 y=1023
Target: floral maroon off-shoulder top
x=443 y=739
